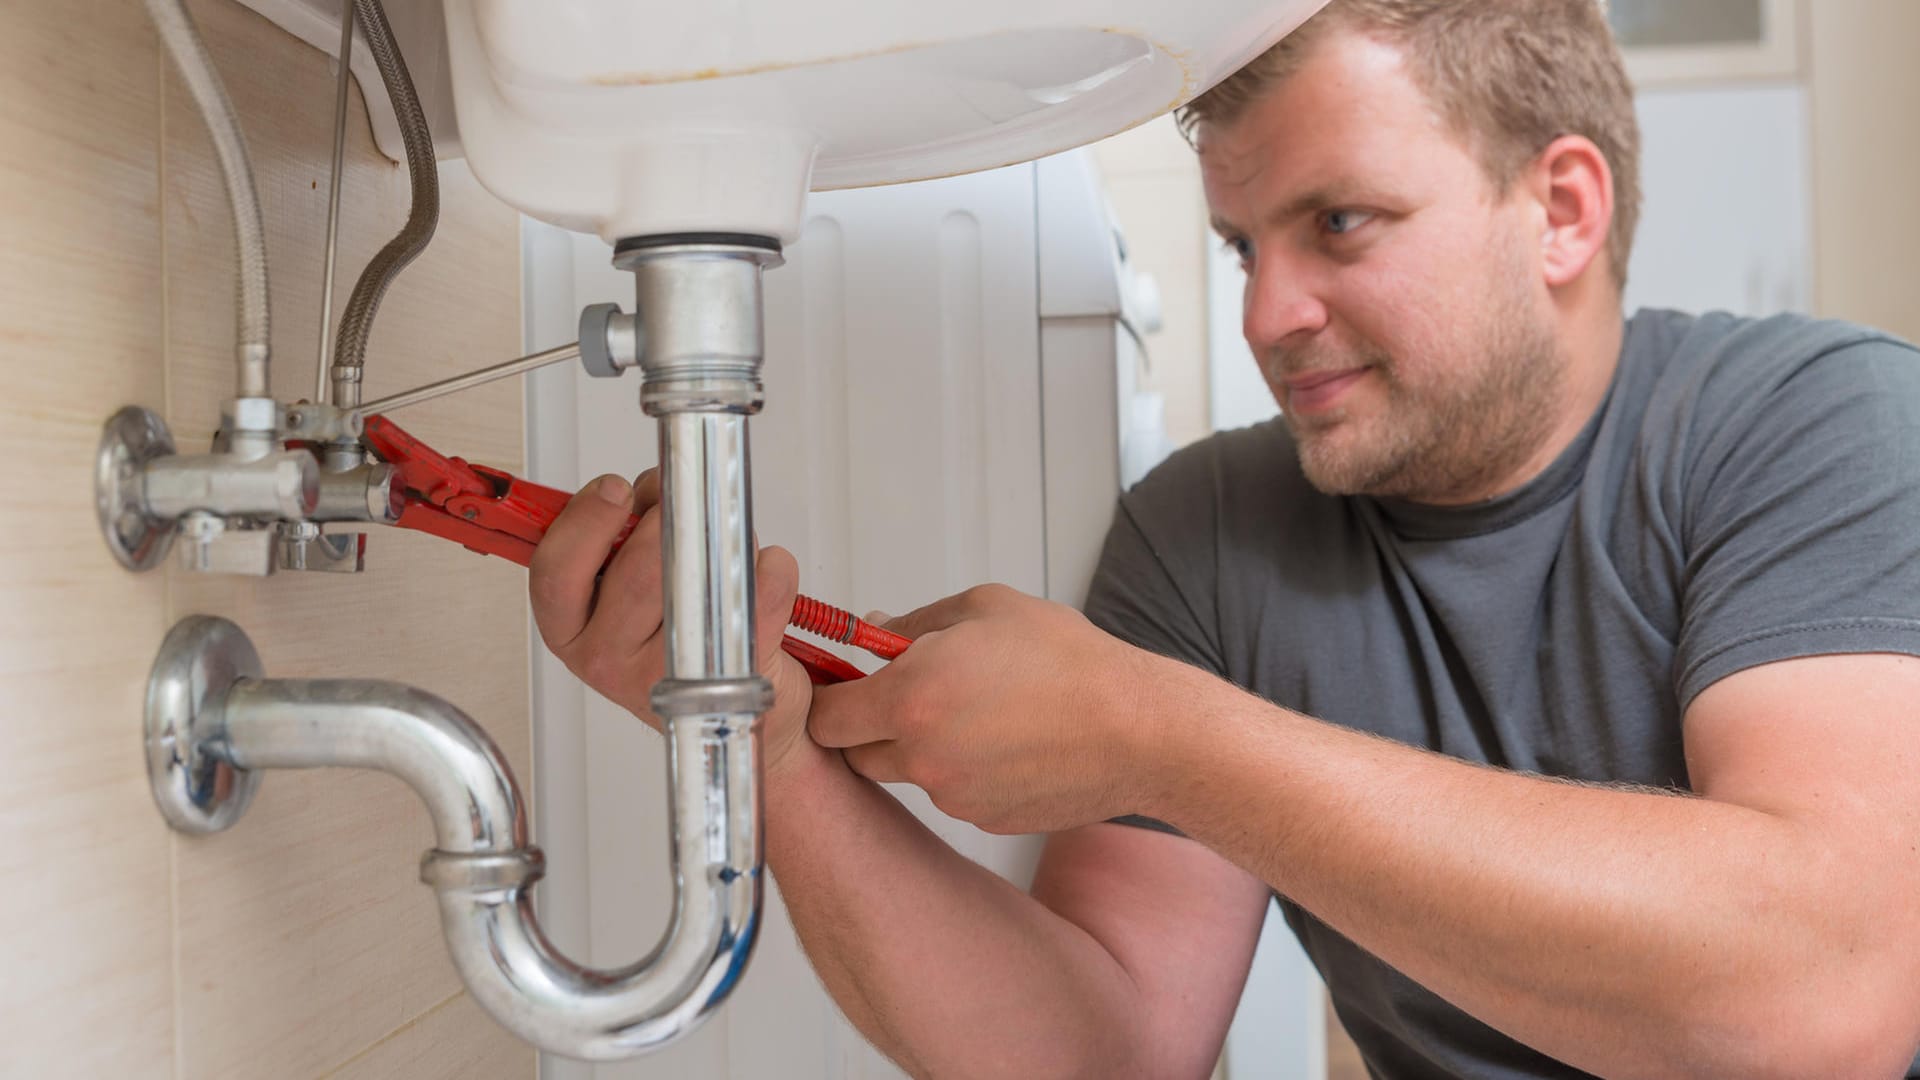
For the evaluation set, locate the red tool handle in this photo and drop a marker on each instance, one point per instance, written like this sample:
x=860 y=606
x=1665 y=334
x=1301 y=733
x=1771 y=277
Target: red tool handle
x=838 y=625
x=842 y=626
x=823 y=668
x=497 y=513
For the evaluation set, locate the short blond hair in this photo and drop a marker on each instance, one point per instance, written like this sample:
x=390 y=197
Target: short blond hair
x=1508 y=76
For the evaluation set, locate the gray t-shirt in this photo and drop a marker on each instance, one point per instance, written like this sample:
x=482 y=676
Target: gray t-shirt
x=1748 y=492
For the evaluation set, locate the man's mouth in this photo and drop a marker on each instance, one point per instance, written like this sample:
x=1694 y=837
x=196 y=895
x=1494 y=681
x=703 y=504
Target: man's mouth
x=1318 y=390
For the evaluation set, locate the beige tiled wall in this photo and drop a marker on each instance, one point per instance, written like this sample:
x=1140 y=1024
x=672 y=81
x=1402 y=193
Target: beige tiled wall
x=298 y=944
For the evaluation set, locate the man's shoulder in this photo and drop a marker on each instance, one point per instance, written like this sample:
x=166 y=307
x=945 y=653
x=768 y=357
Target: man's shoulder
x=1694 y=376
x=1718 y=350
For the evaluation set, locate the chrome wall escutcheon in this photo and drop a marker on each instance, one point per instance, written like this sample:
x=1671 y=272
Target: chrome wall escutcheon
x=132 y=437
x=197 y=790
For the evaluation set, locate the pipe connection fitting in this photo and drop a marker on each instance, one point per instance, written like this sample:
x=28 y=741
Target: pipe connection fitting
x=698 y=301
x=277 y=484
x=335 y=539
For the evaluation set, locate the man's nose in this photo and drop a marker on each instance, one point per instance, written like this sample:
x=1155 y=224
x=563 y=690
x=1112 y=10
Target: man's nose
x=1280 y=303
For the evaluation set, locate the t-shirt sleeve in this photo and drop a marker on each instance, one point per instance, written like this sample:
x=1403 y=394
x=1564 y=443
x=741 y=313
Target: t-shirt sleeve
x=1135 y=597
x=1156 y=584
x=1802 y=536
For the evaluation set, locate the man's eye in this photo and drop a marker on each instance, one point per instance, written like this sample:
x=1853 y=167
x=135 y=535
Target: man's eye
x=1340 y=222
x=1240 y=246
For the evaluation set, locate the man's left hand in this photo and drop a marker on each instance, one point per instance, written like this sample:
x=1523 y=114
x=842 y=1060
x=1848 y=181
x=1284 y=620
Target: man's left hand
x=1012 y=713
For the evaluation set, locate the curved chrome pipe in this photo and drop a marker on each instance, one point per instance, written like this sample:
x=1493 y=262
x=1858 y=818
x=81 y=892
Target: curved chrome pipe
x=444 y=756
x=211 y=725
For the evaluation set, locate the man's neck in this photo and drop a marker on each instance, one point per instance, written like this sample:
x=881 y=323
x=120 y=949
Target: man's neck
x=1593 y=355
x=1591 y=343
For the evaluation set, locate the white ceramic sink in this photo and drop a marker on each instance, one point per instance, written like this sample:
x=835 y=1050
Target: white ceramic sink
x=640 y=117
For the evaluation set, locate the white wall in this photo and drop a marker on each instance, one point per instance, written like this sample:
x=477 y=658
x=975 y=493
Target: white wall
x=1153 y=182
x=1726 y=224
x=1234 y=386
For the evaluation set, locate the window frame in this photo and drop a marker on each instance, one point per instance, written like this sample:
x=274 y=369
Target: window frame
x=1775 y=56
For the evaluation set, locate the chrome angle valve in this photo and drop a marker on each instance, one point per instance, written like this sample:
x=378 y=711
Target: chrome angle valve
x=290 y=487
x=232 y=509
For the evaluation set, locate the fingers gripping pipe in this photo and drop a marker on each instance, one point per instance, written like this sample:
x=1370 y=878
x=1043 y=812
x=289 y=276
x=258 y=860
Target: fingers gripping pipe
x=213 y=723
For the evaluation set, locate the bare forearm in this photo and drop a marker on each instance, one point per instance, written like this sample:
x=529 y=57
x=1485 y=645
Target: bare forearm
x=925 y=950
x=1630 y=933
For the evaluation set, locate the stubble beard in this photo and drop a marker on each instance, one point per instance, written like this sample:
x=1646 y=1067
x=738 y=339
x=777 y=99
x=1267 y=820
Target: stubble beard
x=1450 y=438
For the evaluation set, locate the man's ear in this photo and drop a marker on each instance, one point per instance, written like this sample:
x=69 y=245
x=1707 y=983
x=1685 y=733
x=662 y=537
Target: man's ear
x=1574 y=185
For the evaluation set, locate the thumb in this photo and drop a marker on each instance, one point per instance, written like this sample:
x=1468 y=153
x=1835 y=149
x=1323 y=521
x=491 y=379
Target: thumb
x=777 y=582
x=938 y=615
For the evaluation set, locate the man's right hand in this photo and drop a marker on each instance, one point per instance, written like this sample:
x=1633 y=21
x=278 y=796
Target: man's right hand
x=608 y=632
x=1131 y=965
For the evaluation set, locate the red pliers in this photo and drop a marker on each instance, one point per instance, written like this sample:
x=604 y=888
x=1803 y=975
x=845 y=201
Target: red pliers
x=497 y=513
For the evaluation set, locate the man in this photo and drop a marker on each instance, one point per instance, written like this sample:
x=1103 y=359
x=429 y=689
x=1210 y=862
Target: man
x=1584 y=714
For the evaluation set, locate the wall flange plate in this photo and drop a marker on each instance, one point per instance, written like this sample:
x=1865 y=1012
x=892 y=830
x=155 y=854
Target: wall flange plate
x=132 y=437
x=201 y=659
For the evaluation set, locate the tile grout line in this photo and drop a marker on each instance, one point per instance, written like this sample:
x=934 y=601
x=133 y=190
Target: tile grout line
x=160 y=204
x=383 y=1040
x=166 y=581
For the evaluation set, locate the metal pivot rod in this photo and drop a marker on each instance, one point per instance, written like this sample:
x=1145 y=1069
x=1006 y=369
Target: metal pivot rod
x=213 y=723
x=333 y=200
x=609 y=344
x=559 y=355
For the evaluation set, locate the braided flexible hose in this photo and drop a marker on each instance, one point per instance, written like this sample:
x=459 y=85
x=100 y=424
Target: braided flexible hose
x=189 y=53
x=356 y=324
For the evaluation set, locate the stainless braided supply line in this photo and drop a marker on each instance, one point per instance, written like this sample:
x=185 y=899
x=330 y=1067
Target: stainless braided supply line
x=356 y=323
